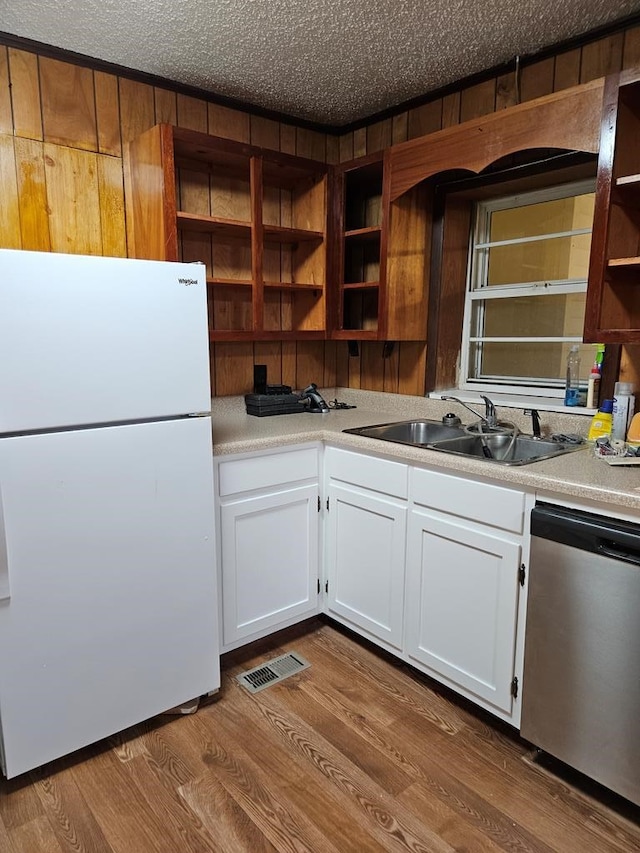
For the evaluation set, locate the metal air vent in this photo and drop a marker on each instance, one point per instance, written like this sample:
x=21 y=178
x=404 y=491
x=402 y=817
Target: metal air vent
x=270 y=673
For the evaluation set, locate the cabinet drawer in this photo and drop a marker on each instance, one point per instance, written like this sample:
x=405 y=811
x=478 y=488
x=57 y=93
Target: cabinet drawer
x=369 y=472
x=481 y=502
x=273 y=469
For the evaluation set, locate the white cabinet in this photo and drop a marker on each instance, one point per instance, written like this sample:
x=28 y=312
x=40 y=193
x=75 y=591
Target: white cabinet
x=462 y=596
x=365 y=544
x=464 y=560
x=268 y=507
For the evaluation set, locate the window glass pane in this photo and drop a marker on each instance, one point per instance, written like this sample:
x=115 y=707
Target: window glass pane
x=554 y=259
x=526 y=361
x=546 y=217
x=556 y=316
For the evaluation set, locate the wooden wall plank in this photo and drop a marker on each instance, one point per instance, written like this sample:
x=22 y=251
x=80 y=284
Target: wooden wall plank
x=166 y=107
x=412 y=368
x=360 y=142
x=400 y=128
x=107 y=113
x=287 y=140
x=10 y=237
x=425 y=119
x=391 y=366
x=451 y=109
x=289 y=363
x=32 y=195
x=265 y=132
x=537 y=79
x=309 y=363
x=346 y=147
x=192 y=113
x=25 y=93
x=330 y=349
x=379 y=135
x=601 y=57
x=68 y=104
x=73 y=199
x=478 y=100
x=311 y=144
x=506 y=90
x=269 y=353
x=112 y=220
x=137 y=108
x=567 y=69
x=6 y=119
x=333 y=149
x=342 y=365
x=631 y=50
x=228 y=123
x=371 y=366
x=233 y=368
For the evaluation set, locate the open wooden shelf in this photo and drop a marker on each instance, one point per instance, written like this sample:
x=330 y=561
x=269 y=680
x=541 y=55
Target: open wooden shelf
x=372 y=233
x=254 y=217
x=612 y=312
x=231 y=228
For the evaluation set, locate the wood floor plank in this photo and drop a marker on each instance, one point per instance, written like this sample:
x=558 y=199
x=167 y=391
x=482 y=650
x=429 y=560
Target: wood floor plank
x=289 y=771
x=36 y=835
x=19 y=803
x=389 y=822
x=357 y=754
x=170 y=809
x=72 y=821
x=223 y=817
x=121 y=809
x=280 y=821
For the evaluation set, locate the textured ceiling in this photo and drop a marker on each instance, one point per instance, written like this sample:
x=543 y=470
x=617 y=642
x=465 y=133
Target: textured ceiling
x=329 y=61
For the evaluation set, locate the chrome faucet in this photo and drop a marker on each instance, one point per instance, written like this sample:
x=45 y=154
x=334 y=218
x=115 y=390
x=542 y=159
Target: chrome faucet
x=489 y=418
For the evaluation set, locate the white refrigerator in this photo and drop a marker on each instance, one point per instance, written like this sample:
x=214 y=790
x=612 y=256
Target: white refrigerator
x=108 y=611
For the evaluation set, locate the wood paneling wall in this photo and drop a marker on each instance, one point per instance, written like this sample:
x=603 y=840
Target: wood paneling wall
x=62 y=127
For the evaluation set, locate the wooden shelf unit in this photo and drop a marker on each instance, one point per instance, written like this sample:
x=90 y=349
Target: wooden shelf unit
x=256 y=218
x=381 y=250
x=613 y=296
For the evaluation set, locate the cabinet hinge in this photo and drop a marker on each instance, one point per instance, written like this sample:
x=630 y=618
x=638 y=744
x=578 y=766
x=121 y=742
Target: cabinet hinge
x=318 y=586
x=319 y=507
x=326 y=586
x=514 y=686
x=521 y=574
x=327 y=504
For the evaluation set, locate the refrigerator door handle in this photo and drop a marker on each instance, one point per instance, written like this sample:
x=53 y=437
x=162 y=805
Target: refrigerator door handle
x=5 y=591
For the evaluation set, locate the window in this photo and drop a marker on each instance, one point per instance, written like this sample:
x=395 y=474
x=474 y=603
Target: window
x=526 y=286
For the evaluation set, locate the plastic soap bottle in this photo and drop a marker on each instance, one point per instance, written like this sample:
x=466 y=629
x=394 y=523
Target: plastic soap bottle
x=571 y=388
x=623 y=407
x=593 y=387
x=602 y=421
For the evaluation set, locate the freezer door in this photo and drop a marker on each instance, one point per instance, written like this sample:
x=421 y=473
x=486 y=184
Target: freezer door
x=111 y=613
x=90 y=340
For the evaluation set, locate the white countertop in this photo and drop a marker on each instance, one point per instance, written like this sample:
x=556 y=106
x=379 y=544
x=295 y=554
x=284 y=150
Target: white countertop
x=575 y=475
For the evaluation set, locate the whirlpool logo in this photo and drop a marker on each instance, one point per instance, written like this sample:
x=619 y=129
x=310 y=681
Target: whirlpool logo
x=187 y=281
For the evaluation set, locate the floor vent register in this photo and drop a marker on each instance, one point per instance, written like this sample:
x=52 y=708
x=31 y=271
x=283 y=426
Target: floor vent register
x=275 y=670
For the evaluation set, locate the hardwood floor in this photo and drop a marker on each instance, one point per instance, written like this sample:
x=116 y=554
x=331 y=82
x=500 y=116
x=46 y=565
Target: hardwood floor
x=356 y=754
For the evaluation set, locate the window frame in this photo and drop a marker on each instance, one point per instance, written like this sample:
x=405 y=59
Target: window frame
x=477 y=290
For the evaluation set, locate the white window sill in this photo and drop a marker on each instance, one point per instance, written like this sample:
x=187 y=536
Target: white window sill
x=513 y=401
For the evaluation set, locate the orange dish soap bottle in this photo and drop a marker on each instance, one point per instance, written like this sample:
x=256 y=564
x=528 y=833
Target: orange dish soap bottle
x=602 y=421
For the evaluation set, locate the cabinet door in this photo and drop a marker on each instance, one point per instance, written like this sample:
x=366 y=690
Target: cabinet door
x=269 y=546
x=462 y=594
x=365 y=561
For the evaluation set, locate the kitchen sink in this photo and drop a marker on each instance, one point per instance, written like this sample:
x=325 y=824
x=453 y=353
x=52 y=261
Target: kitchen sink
x=497 y=447
x=504 y=448
x=416 y=432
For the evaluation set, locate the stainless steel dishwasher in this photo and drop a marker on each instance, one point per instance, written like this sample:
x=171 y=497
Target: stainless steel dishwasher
x=581 y=684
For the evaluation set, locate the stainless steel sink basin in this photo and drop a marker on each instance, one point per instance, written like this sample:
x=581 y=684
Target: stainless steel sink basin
x=497 y=447
x=416 y=432
x=504 y=449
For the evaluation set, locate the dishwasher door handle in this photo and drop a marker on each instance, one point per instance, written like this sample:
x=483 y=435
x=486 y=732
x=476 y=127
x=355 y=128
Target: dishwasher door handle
x=616 y=552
